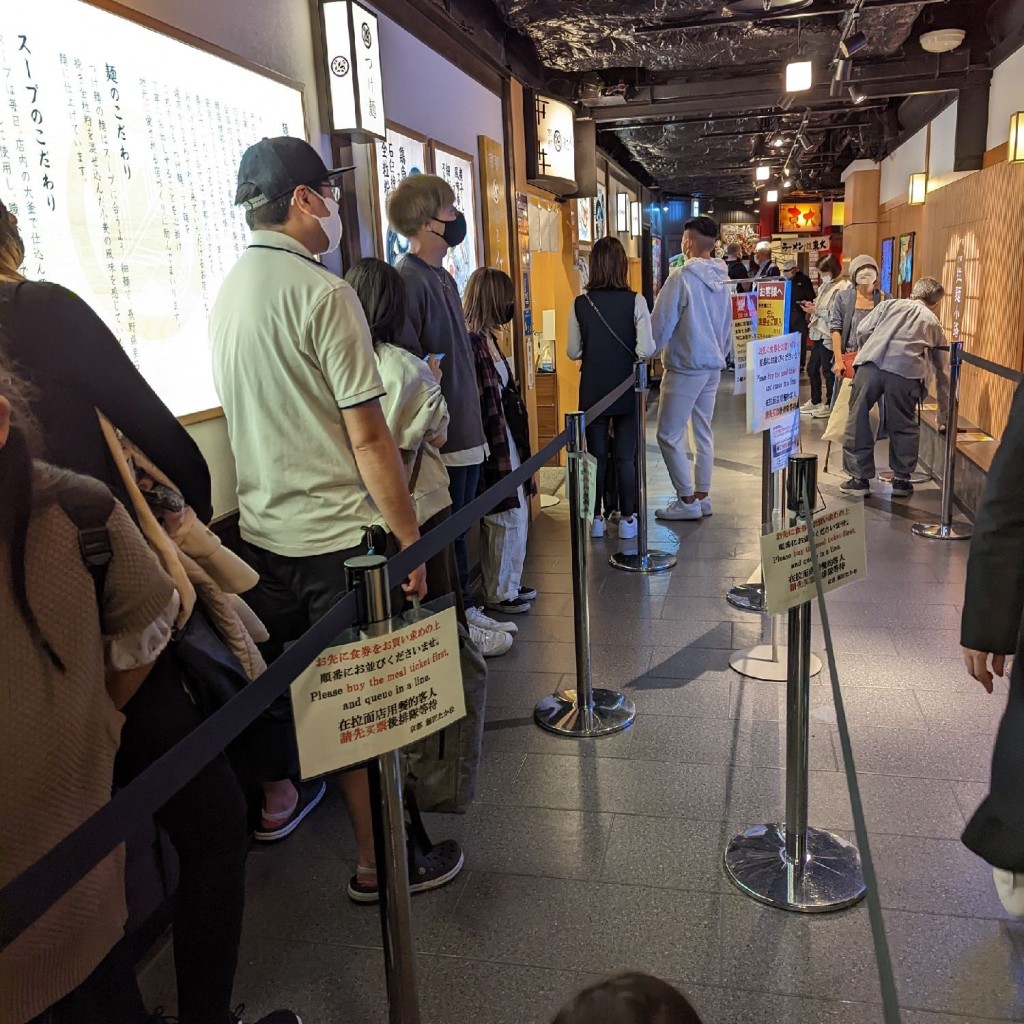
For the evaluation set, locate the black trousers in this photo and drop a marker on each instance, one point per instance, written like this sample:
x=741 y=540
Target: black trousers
x=819 y=366
x=625 y=427
x=206 y=823
x=996 y=832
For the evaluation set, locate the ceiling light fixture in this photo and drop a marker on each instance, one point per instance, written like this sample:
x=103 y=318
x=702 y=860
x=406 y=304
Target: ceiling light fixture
x=853 y=43
x=799 y=76
x=787 y=184
x=778 y=142
x=764 y=172
x=772 y=195
x=857 y=94
x=843 y=69
x=805 y=143
x=942 y=40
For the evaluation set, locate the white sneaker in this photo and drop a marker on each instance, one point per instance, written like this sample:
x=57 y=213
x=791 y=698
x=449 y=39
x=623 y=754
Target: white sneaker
x=680 y=509
x=1010 y=889
x=491 y=643
x=597 y=529
x=705 y=506
x=627 y=528
x=807 y=408
x=477 y=617
x=821 y=413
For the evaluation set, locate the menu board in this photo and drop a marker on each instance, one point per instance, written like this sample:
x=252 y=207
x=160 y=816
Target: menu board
x=457 y=169
x=119 y=153
x=397 y=155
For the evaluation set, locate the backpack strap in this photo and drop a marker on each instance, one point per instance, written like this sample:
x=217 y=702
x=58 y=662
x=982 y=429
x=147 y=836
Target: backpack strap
x=89 y=508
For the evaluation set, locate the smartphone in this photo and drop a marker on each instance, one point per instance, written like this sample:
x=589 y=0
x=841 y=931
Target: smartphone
x=439 y=356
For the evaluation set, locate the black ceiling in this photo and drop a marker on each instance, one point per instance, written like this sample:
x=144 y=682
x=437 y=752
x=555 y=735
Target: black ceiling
x=690 y=93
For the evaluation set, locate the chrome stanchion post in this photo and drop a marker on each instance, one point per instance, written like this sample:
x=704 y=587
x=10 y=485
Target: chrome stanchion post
x=749 y=596
x=583 y=711
x=368 y=576
x=945 y=528
x=642 y=560
x=791 y=865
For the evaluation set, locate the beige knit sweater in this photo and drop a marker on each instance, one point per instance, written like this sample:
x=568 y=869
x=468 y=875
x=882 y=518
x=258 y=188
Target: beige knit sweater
x=58 y=737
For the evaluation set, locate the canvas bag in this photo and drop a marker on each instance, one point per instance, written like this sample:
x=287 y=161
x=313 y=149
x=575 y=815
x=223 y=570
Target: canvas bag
x=442 y=769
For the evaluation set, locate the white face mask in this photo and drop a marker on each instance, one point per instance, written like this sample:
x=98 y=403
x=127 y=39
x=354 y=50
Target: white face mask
x=331 y=224
x=867 y=277
x=826 y=278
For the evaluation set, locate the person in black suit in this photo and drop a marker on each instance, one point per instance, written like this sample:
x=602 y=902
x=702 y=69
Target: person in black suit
x=991 y=630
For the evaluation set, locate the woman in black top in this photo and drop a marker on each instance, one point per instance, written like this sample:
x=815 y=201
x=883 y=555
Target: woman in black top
x=609 y=330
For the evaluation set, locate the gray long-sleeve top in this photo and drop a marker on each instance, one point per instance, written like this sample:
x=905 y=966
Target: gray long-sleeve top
x=903 y=336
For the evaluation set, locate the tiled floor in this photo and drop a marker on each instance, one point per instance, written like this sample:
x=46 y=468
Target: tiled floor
x=589 y=856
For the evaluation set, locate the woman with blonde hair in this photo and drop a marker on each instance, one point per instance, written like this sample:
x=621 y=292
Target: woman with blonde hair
x=490 y=305
x=609 y=330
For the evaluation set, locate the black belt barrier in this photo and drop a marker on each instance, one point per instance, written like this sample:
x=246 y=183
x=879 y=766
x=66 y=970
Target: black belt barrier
x=1000 y=371
x=27 y=897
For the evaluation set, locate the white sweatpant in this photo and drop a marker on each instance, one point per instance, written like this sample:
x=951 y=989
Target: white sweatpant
x=688 y=398
x=503 y=551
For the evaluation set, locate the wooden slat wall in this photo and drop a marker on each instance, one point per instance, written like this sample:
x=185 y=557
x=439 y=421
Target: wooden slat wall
x=985 y=212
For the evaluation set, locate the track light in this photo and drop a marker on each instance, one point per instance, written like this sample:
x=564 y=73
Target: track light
x=805 y=143
x=787 y=183
x=857 y=94
x=772 y=195
x=799 y=76
x=778 y=142
x=764 y=172
x=854 y=42
x=843 y=69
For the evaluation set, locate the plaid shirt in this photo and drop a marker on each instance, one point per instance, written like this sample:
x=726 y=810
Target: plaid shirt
x=498 y=464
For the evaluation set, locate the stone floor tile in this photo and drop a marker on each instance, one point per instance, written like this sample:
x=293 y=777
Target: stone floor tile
x=511 y=731
x=973 y=712
x=705 y=697
x=608 y=927
x=959 y=757
x=957 y=965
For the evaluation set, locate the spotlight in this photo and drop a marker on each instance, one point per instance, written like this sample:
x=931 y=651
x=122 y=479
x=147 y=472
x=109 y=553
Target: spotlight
x=843 y=69
x=805 y=143
x=778 y=142
x=764 y=172
x=853 y=43
x=772 y=195
x=787 y=183
x=799 y=76
x=664 y=209
x=857 y=94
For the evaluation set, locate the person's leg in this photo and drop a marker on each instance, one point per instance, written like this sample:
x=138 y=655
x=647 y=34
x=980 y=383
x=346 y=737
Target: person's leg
x=463 y=482
x=492 y=545
x=828 y=371
x=901 y=397
x=859 y=441
x=675 y=407
x=597 y=445
x=109 y=994
x=625 y=463
x=703 y=437
x=814 y=372
x=506 y=547
x=206 y=823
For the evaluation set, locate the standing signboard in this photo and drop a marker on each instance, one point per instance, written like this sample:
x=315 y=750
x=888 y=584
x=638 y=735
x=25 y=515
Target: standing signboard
x=744 y=326
x=773 y=381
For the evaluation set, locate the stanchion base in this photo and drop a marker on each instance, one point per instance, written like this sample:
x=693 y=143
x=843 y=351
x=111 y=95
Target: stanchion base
x=756 y=662
x=748 y=597
x=829 y=879
x=632 y=561
x=936 y=531
x=915 y=478
x=562 y=714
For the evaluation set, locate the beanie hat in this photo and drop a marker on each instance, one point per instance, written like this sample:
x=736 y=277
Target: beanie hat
x=859 y=262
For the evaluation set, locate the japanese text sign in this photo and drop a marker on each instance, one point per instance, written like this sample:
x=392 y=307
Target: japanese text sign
x=457 y=170
x=785 y=440
x=119 y=154
x=397 y=156
x=786 y=564
x=744 y=321
x=374 y=695
x=794 y=246
x=584 y=465
x=799 y=217
x=773 y=297
x=773 y=381
x=352 y=49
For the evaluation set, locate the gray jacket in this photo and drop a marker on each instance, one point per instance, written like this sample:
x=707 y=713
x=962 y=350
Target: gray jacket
x=903 y=336
x=841 y=315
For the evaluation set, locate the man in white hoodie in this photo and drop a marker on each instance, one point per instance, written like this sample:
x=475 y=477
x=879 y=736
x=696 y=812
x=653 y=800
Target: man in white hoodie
x=692 y=326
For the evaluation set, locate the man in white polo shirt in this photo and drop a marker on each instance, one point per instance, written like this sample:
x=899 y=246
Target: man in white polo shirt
x=296 y=374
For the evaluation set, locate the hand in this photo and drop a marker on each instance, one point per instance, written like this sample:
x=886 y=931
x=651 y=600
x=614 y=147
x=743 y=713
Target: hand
x=977 y=663
x=435 y=367
x=416 y=583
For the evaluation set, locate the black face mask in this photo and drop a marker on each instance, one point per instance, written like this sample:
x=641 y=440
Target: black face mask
x=454 y=230
x=510 y=312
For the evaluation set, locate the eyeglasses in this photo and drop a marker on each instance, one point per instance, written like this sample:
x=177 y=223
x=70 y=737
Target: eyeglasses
x=335 y=191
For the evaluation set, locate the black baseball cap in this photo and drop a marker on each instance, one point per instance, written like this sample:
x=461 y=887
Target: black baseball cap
x=278 y=166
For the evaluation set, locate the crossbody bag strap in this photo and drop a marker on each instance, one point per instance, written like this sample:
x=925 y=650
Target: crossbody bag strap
x=508 y=369
x=608 y=326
